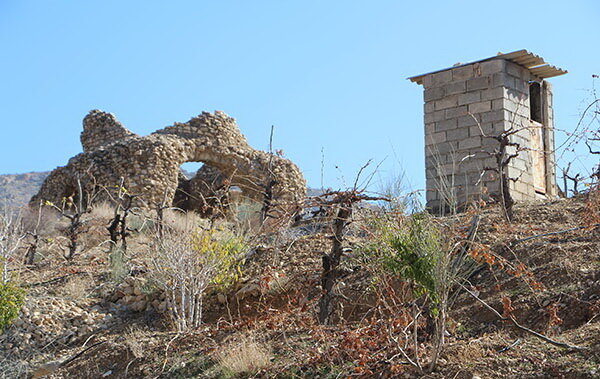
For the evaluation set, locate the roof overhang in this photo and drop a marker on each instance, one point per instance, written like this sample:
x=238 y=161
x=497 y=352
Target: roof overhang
x=534 y=63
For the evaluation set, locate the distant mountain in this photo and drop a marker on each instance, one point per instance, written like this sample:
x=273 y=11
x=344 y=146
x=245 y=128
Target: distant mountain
x=16 y=190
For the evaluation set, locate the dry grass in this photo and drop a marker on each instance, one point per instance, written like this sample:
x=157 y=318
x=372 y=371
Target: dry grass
x=246 y=355
x=102 y=211
x=133 y=338
x=76 y=288
x=183 y=222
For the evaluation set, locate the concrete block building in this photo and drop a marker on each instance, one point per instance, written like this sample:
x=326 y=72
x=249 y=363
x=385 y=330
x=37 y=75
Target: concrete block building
x=465 y=105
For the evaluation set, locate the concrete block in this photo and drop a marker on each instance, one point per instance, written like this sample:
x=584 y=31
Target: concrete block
x=495 y=115
x=493 y=93
x=502 y=79
x=427 y=81
x=440 y=78
x=429 y=107
x=457 y=134
x=500 y=126
x=434 y=93
x=446 y=124
x=469 y=143
x=446 y=147
x=429 y=128
x=431 y=173
x=514 y=69
x=469 y=97
x=463 y=73
x=516 y=96
x=456 y=111
x=431 y=195
x=492 y=67
x=482 y=106
x=434 y=116
x=522 y=85
x=435 y=138
x=478 y=83
x=446 y=102
x=488 y=129
x=455 y=87
x=468 y=120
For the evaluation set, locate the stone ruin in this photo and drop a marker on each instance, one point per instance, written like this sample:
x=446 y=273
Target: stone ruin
x=150 y=166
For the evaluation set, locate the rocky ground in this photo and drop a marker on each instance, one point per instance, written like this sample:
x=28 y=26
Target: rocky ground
x=116 y=321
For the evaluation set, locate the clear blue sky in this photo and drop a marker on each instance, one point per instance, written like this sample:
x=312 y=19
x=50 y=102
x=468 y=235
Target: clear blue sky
x=329 y=75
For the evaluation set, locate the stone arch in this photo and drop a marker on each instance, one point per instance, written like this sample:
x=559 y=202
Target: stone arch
x=150 y=166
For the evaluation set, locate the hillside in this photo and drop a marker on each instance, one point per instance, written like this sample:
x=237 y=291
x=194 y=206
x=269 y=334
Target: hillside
x=265 y=324
x=16 y=190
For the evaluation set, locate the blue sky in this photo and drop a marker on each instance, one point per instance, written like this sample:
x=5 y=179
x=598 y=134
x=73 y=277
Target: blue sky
x=330 y=75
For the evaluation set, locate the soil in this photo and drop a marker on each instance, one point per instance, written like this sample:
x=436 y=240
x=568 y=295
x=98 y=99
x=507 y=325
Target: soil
x=553 y=288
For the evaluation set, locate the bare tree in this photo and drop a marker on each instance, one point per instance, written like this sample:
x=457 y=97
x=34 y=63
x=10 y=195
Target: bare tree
x=118 y=228
x=74 y=208
x=11 y=236
x=506 y=150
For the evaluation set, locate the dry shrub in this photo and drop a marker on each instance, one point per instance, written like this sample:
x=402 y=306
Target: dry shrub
x=102 y=211
x=76 y=288
x=186 y=264
x=591 y=216
x=244 y=356
x=132 y=339
x=183 y=222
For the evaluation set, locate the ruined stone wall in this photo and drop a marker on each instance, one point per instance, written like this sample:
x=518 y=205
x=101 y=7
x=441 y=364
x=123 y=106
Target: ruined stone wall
x=150 y=166
x=101 y=129
x=490 y=96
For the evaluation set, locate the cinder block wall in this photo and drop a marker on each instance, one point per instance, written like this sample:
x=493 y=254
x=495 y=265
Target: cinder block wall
x=462 y=103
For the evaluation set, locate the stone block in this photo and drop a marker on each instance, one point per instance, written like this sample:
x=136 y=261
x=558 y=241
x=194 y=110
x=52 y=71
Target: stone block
x=468 y=120
x=495 y=115
x=455 y=87
x=493 y=93
x=429 y=128
x=463 y=73
x=513 y=69
x=434 y=116
x=521 y=85
x=456 y=111
x=487 y=128
x=438 y=79
x=457 y=134
x=446 y=124
x=482 y=106
x=431 y=195
x=469 y=97
x=469 y=143
x=478 y=83
x=429 y=107
x=434 y=93
x=502 y=79
x=449 y=147
x=446 y=102
x=491 y=67
x=435 y=138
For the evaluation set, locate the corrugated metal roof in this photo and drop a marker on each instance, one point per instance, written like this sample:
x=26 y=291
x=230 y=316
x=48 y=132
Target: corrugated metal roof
x=536 y=65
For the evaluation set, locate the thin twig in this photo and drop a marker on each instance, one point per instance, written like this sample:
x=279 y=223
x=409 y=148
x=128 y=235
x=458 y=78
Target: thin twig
x=519 y=326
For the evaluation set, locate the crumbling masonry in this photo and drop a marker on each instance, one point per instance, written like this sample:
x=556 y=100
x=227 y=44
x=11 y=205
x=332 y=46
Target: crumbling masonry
x=149 y=166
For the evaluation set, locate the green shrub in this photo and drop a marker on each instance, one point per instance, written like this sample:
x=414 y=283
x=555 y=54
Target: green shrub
x=118 y=265
x=410 y=247
x=11 y=300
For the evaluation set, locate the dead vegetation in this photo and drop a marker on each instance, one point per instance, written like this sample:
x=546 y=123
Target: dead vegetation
x=540 y=272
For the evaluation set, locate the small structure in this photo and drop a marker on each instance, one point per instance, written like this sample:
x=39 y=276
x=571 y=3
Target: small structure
x=467 y=102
